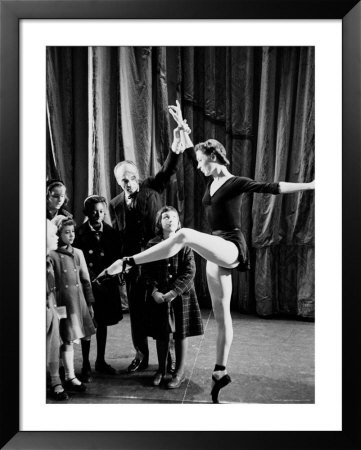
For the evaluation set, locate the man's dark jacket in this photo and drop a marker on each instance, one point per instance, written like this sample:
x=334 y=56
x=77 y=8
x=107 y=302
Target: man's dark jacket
x=146 y=204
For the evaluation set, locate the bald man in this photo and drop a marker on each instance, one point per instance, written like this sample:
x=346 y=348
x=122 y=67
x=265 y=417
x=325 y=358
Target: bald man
x=133 y=214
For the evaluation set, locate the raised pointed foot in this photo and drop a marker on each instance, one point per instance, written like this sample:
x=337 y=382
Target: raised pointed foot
x=218 y=385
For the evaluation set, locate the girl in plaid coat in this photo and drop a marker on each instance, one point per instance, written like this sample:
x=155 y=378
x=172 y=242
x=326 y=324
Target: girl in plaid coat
x=172 y=305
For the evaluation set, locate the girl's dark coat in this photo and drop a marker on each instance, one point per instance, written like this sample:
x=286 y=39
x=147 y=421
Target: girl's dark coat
x=99 y=254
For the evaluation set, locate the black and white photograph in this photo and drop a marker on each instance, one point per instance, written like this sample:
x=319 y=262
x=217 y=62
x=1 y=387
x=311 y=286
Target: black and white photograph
x=180 y=205
x=182 y=196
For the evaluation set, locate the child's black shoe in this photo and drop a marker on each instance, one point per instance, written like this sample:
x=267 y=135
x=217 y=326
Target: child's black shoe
x=71 y=386
x=58 y=395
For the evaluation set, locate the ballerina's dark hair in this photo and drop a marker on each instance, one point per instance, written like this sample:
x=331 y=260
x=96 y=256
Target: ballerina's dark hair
x=158 y=219
x=212 y=146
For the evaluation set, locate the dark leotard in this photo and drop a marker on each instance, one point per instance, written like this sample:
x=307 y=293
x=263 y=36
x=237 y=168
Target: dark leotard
x=223 y=208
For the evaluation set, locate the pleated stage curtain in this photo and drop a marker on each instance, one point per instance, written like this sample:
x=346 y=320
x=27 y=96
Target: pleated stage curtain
x=106 y=104
x=67 y=121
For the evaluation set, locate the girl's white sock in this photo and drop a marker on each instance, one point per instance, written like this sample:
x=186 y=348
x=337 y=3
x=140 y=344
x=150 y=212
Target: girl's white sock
x=68 y=360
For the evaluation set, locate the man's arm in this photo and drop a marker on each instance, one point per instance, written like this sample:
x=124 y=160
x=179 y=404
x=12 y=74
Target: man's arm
x=160 y=181
x=181 y=141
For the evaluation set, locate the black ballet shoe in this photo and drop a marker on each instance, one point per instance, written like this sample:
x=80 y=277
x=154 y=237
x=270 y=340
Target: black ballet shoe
x=128 y=263
x=100 y=280
x=218 y=385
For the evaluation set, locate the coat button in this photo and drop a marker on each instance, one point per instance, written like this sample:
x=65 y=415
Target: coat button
x=90 y=252
x=66 y=286
x=101 y=254
x=168 y=265
x=61 y=256
x=90 y=264
x=65 y=270
x=170 y=276
x=74 y=270
x=77 y=285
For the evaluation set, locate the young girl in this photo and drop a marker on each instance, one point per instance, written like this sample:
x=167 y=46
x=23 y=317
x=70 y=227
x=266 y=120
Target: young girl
x=101 y=246
x=56 y=199
x=75 y=293
x=172 y=304
x=52 y=320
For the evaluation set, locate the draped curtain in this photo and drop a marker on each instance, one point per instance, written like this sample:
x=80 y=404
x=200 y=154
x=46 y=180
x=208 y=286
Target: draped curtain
x=106 y=104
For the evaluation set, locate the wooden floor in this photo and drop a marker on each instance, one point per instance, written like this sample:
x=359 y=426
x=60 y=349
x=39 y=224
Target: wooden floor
x=271 y=361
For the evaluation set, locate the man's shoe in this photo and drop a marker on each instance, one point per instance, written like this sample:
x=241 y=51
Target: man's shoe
x=105 y=368
x=138 y=364
x=176 y=381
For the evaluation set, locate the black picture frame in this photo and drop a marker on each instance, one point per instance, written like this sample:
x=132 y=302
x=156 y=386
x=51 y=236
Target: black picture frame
x=12 y=11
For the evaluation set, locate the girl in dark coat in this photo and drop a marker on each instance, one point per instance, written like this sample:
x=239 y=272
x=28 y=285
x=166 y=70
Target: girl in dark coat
x=101 y=246
x=172 y=305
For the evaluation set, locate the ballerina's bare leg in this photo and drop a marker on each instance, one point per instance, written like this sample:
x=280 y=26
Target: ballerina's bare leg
x=220 y=288
x=213 y=248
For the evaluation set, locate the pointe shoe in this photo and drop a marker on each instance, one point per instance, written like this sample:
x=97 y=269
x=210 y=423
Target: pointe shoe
x=218 y=385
